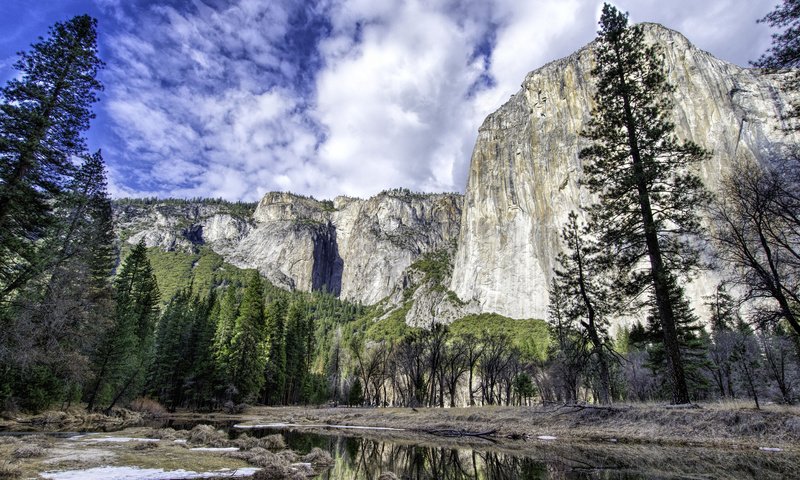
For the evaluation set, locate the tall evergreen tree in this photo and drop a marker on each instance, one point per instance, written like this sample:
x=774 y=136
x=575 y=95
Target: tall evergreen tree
x=586 y=298
x=122 y=358
x=275 y=372
x=296 y=354
x=56 y=315
x=248 y=350
x=647 y=199
x=42 y=117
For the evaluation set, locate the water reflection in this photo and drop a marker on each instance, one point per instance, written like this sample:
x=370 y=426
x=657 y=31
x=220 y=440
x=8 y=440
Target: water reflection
x=358 y=458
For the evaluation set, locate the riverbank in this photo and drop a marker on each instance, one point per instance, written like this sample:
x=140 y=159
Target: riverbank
x=642 y=441
x=724 y=425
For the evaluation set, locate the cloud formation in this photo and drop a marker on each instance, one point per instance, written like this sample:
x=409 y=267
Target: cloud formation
x=236 y=98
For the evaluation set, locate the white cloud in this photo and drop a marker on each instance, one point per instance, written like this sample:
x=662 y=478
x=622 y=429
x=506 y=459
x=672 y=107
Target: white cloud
x=212 y=101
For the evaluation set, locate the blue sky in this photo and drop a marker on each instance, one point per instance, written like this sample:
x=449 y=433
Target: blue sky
x=235 y=98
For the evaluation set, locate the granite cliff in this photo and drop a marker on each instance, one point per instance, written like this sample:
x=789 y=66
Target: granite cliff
x=524 y=174
x=357 y=249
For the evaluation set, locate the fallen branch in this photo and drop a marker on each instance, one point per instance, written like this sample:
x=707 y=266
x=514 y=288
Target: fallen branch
x=457 y=433
x=683 y=406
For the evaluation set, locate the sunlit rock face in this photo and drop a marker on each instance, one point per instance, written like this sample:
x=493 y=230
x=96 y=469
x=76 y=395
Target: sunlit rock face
x=524 y=174
x=354 y=248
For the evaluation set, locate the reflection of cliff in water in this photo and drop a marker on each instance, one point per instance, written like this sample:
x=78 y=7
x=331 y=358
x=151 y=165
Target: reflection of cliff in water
x=367 y=459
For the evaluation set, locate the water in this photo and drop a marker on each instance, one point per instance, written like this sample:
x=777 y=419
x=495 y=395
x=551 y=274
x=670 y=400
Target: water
x=365 y=455
x=361 y=457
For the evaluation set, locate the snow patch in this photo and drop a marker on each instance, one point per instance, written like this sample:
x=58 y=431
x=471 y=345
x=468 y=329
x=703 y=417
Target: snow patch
x=215 y=449
x=136 y=473
x=770 y=449
x=118 y=439
x=546 y=437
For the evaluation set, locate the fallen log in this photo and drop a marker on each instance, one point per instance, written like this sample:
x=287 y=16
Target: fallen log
x=457 y=433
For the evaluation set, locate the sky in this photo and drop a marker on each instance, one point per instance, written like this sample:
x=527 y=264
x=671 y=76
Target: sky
x=236 y=98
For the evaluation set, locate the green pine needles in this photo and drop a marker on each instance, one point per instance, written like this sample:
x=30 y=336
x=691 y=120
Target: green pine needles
x=648 y=197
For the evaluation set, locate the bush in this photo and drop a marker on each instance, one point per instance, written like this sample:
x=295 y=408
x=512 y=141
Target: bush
x=148 y=406
x=9 y=470
x=28 y=451
x=318 y=456
x=208 y=436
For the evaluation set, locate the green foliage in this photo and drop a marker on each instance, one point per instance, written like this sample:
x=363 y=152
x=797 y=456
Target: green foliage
x=200 y=271
x=242 y=210
x=123 y=355
x=248 y=351
x=393 y=327
x=530 y=336
x=356 y=395
x=43 y=115
x=437 y=266
x=648 y=199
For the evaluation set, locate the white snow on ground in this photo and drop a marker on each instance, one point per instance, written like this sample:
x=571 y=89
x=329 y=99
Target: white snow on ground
x=180 y=440
x=215 y=449
x=546 y=437
x=298 y=425
x=116 y=439
x=770 y=449
x=135 y=473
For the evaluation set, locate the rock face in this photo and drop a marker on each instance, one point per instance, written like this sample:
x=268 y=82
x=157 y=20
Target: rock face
x=354 y=248
x=523 y=178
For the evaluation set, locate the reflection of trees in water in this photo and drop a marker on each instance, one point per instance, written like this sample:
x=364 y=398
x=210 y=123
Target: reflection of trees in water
x=367 y=459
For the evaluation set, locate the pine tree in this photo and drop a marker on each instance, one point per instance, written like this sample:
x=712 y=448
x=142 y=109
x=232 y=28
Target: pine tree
x=122 y=358
x=275 y=371
x=56 y=315
x=693 y=341
x=785 y=50
x=585 y=297
x=248 y=351
x=224 y=318
x=647 y=200
x=42 y=117
x=296 y=354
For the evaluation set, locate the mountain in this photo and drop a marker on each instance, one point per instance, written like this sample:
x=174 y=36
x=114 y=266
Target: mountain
x=357 y=249
x=525 y=172
x=492 y=250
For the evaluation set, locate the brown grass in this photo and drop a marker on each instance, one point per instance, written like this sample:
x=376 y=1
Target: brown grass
x=318 y=456
x=208 y=436
x=148 y=407
x=28 y=451
x=9 y=470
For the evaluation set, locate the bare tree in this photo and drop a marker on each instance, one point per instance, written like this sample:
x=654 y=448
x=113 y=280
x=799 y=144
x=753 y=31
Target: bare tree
x=757 y=231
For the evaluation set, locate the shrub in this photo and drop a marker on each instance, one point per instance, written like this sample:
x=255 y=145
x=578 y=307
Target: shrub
x=318 y=456
x=148 y=406
x=9 y=470
x=208 y=436
x=28 y=451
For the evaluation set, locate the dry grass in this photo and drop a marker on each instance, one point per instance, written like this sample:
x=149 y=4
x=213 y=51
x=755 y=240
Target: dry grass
x=269 y=442
x=9 y=470
x=28 y=451
x=207 y=436
x=318 y=456
x=148 y=407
